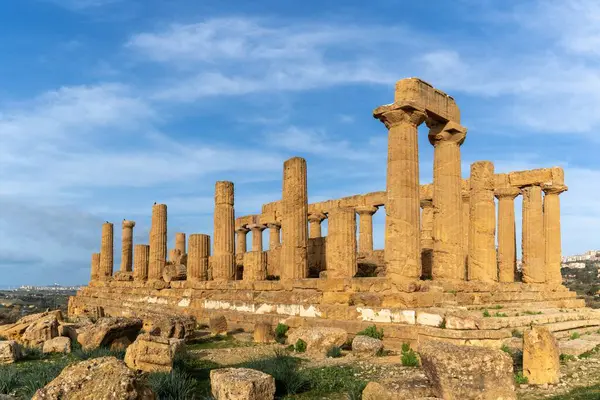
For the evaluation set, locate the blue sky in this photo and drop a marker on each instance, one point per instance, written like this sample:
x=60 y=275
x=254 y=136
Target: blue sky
x=107 y=106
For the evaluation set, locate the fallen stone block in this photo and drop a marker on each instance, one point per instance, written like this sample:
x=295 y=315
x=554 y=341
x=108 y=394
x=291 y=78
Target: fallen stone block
x=178 y=326
x=218 y=325
x=263 y=333
x=41 y=327
x=57 y=345
x=576 y=347
x=318 y=339
x=541 y=357
x=153 y=353
x=366 y=345
x=106 y=330
x=10 y=351
x=241 y=384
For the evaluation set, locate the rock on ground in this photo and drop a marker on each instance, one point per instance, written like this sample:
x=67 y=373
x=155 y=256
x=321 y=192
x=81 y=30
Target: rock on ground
x=241 y=384
x=541 y=358
x=177 y=326
x=153 y=353
x=366 y=345
x=468 y=372
x=263 y=333
x=218 y=325
x=104 y=378
x=390 y=390
x=318 y=339
x=57 y=345
x=10 y=351
x=34 y=329
x=107 y=330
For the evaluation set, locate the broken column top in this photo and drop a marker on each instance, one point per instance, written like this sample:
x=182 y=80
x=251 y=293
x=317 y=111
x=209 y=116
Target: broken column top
x=438 y=104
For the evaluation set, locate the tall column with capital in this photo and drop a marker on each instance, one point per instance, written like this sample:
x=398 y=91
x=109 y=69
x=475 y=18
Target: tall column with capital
x=158 y=242
x=257 y=230
x=552 y=232
x=402 y=207
x=482 y=225
x=426 y=237
x=106 y=252
x=274 y=235
x=314 y=222
x=448 y=261
x=533 y=244
x=127 y=245
x=294 y=226
x=365 y=228
x=198 y=253
x=224 y=228
x=507 y=241
x=241 y=239
x=341 y=243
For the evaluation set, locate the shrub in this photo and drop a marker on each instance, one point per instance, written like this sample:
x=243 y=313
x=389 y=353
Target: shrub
x=520 y=379
x=300 y=346
x=372 y=331
x=281 y=331
x=575 y=335
x=486 y=313
x=564 y=358
x=409 y=357
x=173 y=386
x=334 y=352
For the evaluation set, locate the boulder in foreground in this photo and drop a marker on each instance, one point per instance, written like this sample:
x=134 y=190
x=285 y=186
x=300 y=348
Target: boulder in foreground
x=541 y=358
x=153 y=353
x=318 y=339
x=241 y=384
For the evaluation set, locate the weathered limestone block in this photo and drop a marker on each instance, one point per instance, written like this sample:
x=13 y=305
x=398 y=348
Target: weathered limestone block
x=507 y=253
x=365 y=228
x=554 y=175
x=57 y=345
x=141 y=256
x=127 y=245
x=40 y=330
x=241 y=384
x=199 y=251
x=533 y=245
x=576 y=347
x=255 y=266
x=158 y=242
x=108 y=329
x=106 y=252
x=169 y=326
x=482 y=232
x=95 y=266
x=153 y=353
x=341 y=243
x=223 y=260
x=421 y=93
x=218 y=325
x=318 y=339
x=365 y=345
x=123 y=276
x=175 y=256
x=314 y=224
x=180 y=242
x=552 y=232
x=541 y=362
x=263 y=333
x=241 y=245
x=294 y=260
x=99 y=378
x=174 y=272
x=10 y=351
x=467 y=372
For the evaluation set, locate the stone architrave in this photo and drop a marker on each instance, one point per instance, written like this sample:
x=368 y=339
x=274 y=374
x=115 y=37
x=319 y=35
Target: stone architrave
x=141 y=257
x=341 y=243
x=482 y=225
x=274 y=235
x=533 y=244
x=365 y=228
x=507 y=241
x=241 y=239
x=180 y=242
x=314 y=222
x=255 y=266
x=223 y=260
x=95 y=266
x=552 y=232
x=447 y=137
x=257 y=230
x=158 y=242
x=106 y=252
x=198 y=253
x=402 y=207
x=294 y=257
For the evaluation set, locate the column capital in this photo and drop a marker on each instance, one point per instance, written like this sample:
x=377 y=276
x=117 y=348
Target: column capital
x=368 y=210
x=127 y=224
x=316 y=217
x=242 y=229
x=255 y=227
x=400 y=113
x=445 y=131
x=507 y=193
x=273 y=225
x=426 y=203
x=554 y=188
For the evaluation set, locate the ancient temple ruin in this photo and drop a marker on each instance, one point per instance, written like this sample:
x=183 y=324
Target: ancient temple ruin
x=449 y=252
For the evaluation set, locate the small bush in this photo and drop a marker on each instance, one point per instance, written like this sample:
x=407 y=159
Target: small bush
x=442 y=325
x=486 y=313
x=505 y=349
x=300 y=346
x=281 y=331
x=564 y=358
x=334 y=352
x=520 y=379
x=173 y=386
x=575 y=335
x=409 y=357
x=372 y=331
x=516 y=333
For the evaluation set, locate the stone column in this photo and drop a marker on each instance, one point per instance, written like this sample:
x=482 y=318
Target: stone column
x=341 y=243
x=95 y=266
x=533 y=243
x=466 y=212
x=427 y=238
x=402 y=208
x=180 y=242
x=240 y=242
x=365 y=228
x=552 y=232
x=127 y=245
x=448 y=258
x=255 y=266
x=257 y=230
x=198 y=253
x=158 y=242
x=106 y=252
x=224 y=227
x=141 y=256
x=482 y=225
x=294 y=260
x=507 y=251
x=314 y=222
x=274 y=237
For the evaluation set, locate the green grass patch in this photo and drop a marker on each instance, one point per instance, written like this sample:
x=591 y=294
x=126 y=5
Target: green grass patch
x=574 y=335
x=328 y=380
x=520 y=379
x=174 y=385
x=217 y=342
x=581 y=393
x=81 y=354
x=300 y=346
x=565 y=358
x=497 y=307
x=532 y=312
x=486 y=314
x=284 y=369
x=372 y=331
x=500 y=315
x=24 y=378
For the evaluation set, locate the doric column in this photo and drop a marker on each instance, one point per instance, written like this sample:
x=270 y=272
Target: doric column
x=255 y=266
x=224 y=227
x=466 y=212
x=241 y=239
x=402 y=208
x=198 y=253
x=257 y=230
x=180 y=242
x=341 y=243
x=158 y=242
x=95 y=266
x=482 y=224
x=533 y=244
x=141 y=256
x=294 y=260
x=552 y=232
x=127 y=245
x=365 y=228
x=426 y=238
x=106 y=252
x=507 y=251
x=314 y=222
x=448 y=261
x=274 y=237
